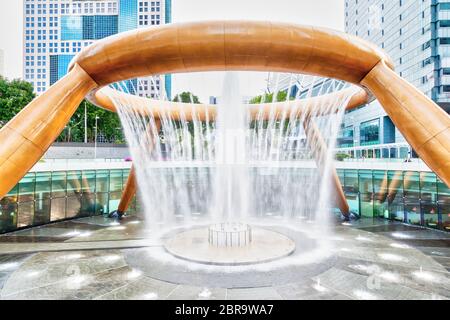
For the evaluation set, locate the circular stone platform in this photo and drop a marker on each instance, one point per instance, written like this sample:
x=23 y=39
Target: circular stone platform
x=265 y=246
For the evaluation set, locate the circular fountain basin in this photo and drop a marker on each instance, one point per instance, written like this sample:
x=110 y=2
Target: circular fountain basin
x=230 y=245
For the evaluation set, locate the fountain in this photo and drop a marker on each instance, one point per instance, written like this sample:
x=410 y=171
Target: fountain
x=241 y=187
x=229 y=234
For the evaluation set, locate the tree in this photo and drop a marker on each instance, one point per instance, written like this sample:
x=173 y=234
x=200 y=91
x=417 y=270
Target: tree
x=186 y=97
x=14 y=96
x=268 y=97
x=109 y=126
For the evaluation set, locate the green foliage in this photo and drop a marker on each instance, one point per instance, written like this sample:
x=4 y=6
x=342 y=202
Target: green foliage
x=341 y=156
x=186 y=97
x=268 y=97
x=14 y=96
x=109 y=127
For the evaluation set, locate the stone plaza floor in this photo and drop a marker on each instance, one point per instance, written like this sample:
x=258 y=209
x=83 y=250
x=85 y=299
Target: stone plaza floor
x=95 y=258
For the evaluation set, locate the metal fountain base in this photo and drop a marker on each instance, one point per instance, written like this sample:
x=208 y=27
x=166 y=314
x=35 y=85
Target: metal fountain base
x=229 y=244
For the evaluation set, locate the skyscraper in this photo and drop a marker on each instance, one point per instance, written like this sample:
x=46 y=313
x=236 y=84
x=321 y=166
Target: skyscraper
x=416 y=34
x=56 y=30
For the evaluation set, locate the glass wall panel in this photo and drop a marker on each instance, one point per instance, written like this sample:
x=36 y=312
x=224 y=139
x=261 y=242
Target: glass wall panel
x=366 y=193
x=102 y=181
x=351 y=190
x=73 y=183
x=88 y=182
x=133 y=207
x=73 y=207
x=395 y=195
x=87 y=205
x=393 y=153
x=380 y=189
x=25 y=214
x=8 y=210
x=341 y=175
x=114 y=199
x=444 y=204
x=369 y=133
x=404 y=153
x=345 y=138
x=378 y=153
x=101 y=203
x=58 y=209
x=125 y=175
x=411 y=192
x=41 y=211
x=42 y=198
x=43 y=185
x=8 y=213
x=26 y=188
x=88 y=185
x=59 y=184
x=428 y=189
x=115 y=180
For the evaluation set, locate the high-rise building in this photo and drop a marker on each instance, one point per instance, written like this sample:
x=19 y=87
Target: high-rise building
x=56 y=30
x=416 y=35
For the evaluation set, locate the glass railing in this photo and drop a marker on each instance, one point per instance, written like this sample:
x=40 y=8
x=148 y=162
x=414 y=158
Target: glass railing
x=44 y=197
x=414 y=197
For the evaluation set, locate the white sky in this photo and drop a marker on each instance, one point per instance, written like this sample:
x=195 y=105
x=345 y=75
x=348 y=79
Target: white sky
x=327 y=13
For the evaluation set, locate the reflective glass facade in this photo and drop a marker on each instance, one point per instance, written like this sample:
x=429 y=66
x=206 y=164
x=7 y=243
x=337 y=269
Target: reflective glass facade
x=58 y=66
x=418 y=198
x=403 y=28
x=168 y=11
x=369 y=132
x=64 y=27
x=44 y=197
x=128 y=15
x=99 y=27
x=416 y=35
x=346 y=137
x=71 y=28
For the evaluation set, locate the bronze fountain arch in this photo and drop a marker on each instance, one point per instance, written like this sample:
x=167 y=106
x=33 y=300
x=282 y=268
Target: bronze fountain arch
x=224 y=45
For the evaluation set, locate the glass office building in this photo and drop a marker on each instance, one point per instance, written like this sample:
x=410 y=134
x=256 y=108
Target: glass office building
x=416 y=35
x=56 y=30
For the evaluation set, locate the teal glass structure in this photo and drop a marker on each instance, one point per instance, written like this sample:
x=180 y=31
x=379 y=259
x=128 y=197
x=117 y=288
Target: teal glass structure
x=44 y=197
x=417 y=198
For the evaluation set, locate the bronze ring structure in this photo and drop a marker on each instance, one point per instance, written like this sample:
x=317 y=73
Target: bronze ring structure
x=225 y=45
